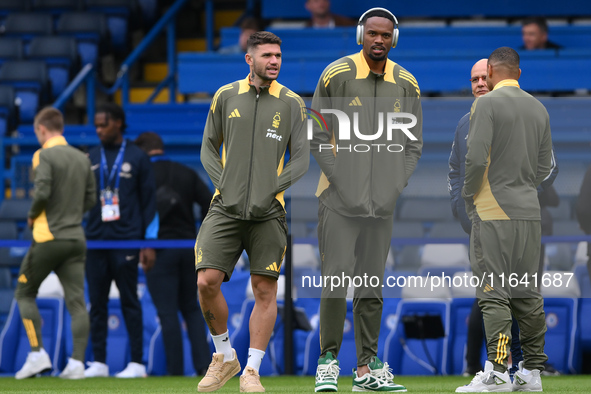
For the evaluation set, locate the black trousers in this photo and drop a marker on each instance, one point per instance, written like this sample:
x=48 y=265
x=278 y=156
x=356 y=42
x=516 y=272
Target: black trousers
x=173 y=286
x=103 y=266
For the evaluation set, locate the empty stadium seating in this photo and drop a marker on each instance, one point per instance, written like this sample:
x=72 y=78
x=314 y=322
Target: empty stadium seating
x=30 y=82
x=432 y=9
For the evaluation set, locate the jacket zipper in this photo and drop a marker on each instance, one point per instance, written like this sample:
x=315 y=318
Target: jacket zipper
x=373 y=128
x=248 y=185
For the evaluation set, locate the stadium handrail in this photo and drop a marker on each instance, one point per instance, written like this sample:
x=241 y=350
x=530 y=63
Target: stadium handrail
x=87 y=75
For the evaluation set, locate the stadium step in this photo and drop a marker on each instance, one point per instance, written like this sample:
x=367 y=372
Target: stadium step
x=191 y=45
x=155 y=72
x=226 y=18
x=139 y=95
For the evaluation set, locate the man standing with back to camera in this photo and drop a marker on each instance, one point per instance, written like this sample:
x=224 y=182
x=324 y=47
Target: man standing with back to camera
x=359 y=187
x=64 y=190
x=255 y=121
x=509 y=155
x=172 y=282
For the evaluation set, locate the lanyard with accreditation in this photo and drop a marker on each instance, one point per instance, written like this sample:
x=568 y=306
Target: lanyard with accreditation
x=110 y=196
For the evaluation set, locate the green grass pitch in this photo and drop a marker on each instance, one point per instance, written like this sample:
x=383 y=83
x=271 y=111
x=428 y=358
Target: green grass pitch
x=281 y=384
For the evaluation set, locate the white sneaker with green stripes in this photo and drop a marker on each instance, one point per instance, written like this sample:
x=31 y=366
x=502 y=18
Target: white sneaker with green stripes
x=380 y=378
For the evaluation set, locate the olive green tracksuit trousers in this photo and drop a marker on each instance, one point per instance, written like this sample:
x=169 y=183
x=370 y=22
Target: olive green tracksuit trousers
x=66 y=258
x=499 y=249
x=356 y=248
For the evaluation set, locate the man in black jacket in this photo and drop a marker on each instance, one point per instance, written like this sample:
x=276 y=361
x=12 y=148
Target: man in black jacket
x=173 y=282
x=126 y=211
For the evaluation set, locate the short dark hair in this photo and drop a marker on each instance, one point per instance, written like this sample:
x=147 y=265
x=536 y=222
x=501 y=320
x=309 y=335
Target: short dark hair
x=114 y=111
x=261 y=38
x=380 y=13
x=51 y=118
x=538 y=20
x=505 y=57
x=149 y=141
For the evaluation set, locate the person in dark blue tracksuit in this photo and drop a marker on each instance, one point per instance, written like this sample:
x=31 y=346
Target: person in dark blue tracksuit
x=126 y=210
x=455 y=182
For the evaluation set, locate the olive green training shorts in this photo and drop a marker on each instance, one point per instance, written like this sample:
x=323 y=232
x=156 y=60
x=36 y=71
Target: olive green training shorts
x=222 y=239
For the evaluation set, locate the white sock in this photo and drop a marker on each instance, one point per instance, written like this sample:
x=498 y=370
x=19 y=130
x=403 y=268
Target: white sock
x=222 y=345
x=526 y=371
x=255 y=357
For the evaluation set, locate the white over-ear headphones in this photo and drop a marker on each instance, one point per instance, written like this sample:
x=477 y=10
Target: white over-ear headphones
x=360 y=26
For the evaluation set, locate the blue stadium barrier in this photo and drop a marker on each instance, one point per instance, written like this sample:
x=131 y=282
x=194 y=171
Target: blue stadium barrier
x=426 y=41
x=271 y=9
x=546 y=74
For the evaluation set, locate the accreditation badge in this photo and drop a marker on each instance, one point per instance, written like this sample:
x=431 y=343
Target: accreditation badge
x=109 y=205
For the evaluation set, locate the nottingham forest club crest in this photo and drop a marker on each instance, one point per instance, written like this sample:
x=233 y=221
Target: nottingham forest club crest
x=272 y=133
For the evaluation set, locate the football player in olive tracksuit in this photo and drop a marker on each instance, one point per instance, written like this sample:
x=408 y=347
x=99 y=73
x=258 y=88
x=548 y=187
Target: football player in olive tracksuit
x=254 y=121
x=367 y=152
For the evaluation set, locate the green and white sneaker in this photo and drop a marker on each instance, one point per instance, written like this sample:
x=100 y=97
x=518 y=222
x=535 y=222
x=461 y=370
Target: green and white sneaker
x=380 y=378
x=327 y=373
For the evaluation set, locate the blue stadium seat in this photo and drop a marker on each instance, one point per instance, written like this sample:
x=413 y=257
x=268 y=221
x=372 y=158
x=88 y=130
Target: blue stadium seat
x=8 y=7
x=407 y=356
x=563 y=335
x=27 y=25
x=347 y=355
x=11 y=48
x=89 y=29
x=118 y=14
x=29 y=79
x=458 y=334
x=8 y=113
x=60 y=55
x=14 y=344
x=56 y=7
x=8 y=230
x=584 y=323
x=15 y=209
x=389 y=321
x=311 y=309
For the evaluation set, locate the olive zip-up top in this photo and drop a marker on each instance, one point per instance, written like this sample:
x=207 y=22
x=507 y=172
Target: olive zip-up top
x=365 y=170
x=509 y=155
x=64 y=190
x=254 y=130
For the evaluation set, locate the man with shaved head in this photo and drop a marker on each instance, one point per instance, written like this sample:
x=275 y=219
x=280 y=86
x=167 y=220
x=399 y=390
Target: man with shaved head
x=455 y=181
x=509 y=155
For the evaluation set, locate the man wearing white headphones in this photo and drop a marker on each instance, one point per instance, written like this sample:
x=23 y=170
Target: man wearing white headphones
x=367 y=150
